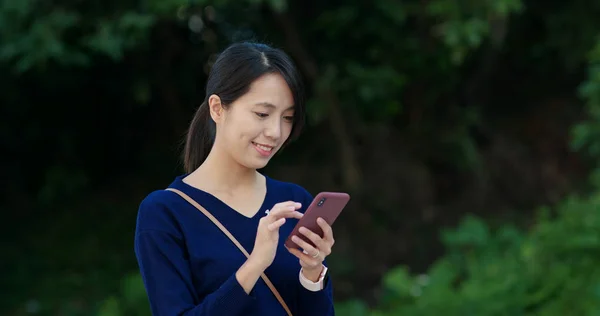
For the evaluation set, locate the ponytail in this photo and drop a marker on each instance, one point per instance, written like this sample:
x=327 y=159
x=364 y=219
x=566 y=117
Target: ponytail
x=200 y=138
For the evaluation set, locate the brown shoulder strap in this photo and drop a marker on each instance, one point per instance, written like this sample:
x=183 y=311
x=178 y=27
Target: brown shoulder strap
x=228 y=234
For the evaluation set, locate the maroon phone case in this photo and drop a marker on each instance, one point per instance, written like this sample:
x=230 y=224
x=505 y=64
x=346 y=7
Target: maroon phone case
x=330 y=209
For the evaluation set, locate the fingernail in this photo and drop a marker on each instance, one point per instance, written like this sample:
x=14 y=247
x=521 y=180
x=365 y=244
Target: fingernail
x=303 y=229
x=321 y=220
x=294 y=238
x=298 y=204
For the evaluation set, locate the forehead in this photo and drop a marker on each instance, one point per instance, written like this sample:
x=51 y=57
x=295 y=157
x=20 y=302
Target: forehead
x=271 y=106
x=269 y=91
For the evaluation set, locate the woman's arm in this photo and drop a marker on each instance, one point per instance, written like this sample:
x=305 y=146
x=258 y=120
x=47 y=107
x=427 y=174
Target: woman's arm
x=310 y=302
x=162 y=258
x=165 y=270
x=248 y=275
x=168 y=280
x=317 y=303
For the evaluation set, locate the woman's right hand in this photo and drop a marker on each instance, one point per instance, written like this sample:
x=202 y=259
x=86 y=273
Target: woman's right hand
x=267 y=235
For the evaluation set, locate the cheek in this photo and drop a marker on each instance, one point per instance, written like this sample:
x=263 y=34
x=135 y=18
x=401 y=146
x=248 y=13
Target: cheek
x=287 y=129
x=246 y=128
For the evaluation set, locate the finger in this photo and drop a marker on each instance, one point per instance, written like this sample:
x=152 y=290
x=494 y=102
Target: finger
x=327 y=231
x=310 y=249
x=304 y=257
x=287 y=204
x=284 y=214
x=287 y=210
x=316 y=239
x=276 y=224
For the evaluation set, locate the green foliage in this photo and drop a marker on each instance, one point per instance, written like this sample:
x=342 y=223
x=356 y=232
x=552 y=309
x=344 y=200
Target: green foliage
x=34 y=35
x=465 y=24
x=369 y=82
x=373 y=86
x=550 y=270
x=587 y=134
x=131 y=300
x=113 y=37
x=381 y=59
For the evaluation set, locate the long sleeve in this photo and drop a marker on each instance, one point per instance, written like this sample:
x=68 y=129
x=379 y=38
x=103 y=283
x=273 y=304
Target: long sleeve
x=168 y=280
x=318 y=303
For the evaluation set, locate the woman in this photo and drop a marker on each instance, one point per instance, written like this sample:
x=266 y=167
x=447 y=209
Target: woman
x=253 y=107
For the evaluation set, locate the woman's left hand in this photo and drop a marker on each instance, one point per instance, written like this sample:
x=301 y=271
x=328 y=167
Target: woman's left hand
x=312 y=258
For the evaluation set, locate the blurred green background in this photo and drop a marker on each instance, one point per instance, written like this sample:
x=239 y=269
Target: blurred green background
x=468 y=133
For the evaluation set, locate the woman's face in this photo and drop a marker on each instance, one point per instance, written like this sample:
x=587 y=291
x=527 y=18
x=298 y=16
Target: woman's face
x=254 y=127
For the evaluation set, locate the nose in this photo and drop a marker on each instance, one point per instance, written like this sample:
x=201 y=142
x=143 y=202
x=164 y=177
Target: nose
x=273 y=128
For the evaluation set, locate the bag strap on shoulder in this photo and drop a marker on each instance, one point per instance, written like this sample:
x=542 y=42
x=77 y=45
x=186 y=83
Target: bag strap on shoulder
x=234 y=240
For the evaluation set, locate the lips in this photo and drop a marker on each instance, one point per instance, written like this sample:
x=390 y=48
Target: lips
x=263 y=147
x=263 y=150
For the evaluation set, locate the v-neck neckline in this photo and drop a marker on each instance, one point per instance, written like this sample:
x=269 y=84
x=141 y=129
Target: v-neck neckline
x=235 y=212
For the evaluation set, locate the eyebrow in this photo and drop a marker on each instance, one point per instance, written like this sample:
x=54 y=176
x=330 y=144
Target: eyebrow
x=272 y=106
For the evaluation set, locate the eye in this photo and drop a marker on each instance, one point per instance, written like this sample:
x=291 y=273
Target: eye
x=288 y=118
x=261 y=115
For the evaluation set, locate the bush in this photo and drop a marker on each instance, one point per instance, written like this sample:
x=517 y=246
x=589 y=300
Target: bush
x=131 y=301
x=553 y=269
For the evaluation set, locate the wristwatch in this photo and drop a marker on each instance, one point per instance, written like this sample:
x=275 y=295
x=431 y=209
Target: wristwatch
x=314 y=286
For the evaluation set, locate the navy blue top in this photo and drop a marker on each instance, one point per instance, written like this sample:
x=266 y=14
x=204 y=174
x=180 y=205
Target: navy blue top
x=188 y=265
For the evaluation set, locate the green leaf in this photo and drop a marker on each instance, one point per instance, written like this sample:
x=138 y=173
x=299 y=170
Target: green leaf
x=398 y=280
x=278 y=5
x=110 y=307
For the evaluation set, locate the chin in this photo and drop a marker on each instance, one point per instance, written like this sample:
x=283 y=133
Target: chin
x=254 y=162
x=258 y=164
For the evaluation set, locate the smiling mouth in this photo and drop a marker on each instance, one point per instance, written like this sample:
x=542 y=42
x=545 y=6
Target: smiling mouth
x=265 y=148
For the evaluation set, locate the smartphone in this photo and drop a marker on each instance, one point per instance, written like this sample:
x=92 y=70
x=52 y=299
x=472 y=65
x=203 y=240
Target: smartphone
x=327 y=205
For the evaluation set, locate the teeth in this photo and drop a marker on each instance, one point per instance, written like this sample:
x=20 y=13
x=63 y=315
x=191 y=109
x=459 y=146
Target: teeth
x=265 y=148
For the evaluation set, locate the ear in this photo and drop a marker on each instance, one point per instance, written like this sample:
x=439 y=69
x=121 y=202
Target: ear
x=216 y=108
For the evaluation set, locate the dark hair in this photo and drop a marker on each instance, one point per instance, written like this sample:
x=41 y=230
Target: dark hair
x=230 y=77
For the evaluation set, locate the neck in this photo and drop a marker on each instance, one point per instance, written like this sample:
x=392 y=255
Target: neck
x=221 y=172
